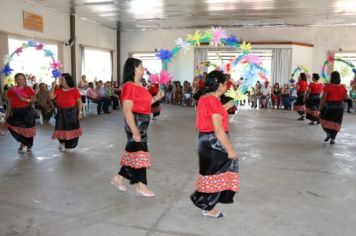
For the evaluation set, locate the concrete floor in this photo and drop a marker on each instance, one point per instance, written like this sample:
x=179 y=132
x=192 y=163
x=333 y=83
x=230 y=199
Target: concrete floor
x=291 y=182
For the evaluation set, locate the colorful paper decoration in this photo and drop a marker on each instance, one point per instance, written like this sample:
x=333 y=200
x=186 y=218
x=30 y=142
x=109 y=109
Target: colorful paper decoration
x=330 y=61
x=55 y=65
x=300 y=69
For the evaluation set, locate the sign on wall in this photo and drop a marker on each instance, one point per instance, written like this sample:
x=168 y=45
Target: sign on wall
x=32 y=21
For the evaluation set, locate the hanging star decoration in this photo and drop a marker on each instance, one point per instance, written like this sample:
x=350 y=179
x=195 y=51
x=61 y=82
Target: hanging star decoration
x=48 y=53
x=7 y=59
x=9 y=81
x=232 y=94
x=228 y=67
x=163 y=78
x=183 y=44
x=245 y=47
x=344 y=71
x=39 y=46
x=56 y=73
x=207 y=36
x=18 y=51
x=194 y=38
x=252 y=59
x=31 y=43
x=164 y=55
x=7 y=70
x=331 y=59
x=218 y=34
x=232 y=41
x=305 y=68
x=263 y=76
x=56 y=65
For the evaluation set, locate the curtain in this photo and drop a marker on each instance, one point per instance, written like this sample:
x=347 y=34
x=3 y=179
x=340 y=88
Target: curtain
x=200 y=54
x=281 y=66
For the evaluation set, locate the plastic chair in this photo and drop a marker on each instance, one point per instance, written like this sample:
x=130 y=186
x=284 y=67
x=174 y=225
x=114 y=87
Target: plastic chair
x=39 y=113
x=90 y=107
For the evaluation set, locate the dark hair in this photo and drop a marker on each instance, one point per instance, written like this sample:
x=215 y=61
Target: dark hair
x=69 y=80
x=213 y=80
x=303 y=76
x=335 y=78
x=316 y=76
x=129 y=69
x=19 y=74
x=91 y=84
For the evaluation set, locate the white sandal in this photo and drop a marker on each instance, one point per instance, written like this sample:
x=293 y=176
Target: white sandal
x=118 y=186
x=220 y=214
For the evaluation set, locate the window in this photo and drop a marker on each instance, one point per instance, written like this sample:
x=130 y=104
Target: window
x=96 y=64
x=32 y=61
x=220 y=57
x=149 y=61
x=345 y=71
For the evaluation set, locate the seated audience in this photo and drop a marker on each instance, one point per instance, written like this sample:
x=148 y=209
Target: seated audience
x=43 y=102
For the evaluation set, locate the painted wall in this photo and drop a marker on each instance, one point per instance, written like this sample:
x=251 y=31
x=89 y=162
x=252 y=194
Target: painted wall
x=303 y=56
x=57 y=29
x=324 y=39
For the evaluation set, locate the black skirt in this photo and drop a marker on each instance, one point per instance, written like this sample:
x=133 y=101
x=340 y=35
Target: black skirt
x=156 y=109
x=299 y=105
x=136 y=158
x=21 y=124
x=312 y=107
x=331 y=118
x=218 y=179
x=67 y=129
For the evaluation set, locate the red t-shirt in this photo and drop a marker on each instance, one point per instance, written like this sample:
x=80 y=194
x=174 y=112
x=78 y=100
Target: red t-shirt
x=335 y=92
x=303 y=85
x=14 y=93
x=66 y=99
x=141 y=98
x=207 y=106
x=316 y=88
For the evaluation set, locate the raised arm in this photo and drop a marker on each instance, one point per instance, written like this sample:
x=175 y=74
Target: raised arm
x=52 y=95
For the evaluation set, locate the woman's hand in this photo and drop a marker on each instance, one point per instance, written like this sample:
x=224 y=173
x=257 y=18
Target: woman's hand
x=80 y=116
x=136 y=136
x=229 y=104
x=232 y=155
x=160 y=95
x=23 y=99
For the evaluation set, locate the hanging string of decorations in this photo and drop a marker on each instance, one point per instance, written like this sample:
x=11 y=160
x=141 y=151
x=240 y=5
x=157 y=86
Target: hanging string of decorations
x=54 y=65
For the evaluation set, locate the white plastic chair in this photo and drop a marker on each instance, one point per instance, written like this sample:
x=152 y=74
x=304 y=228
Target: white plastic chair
x=39 y=112
x=90 y=107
